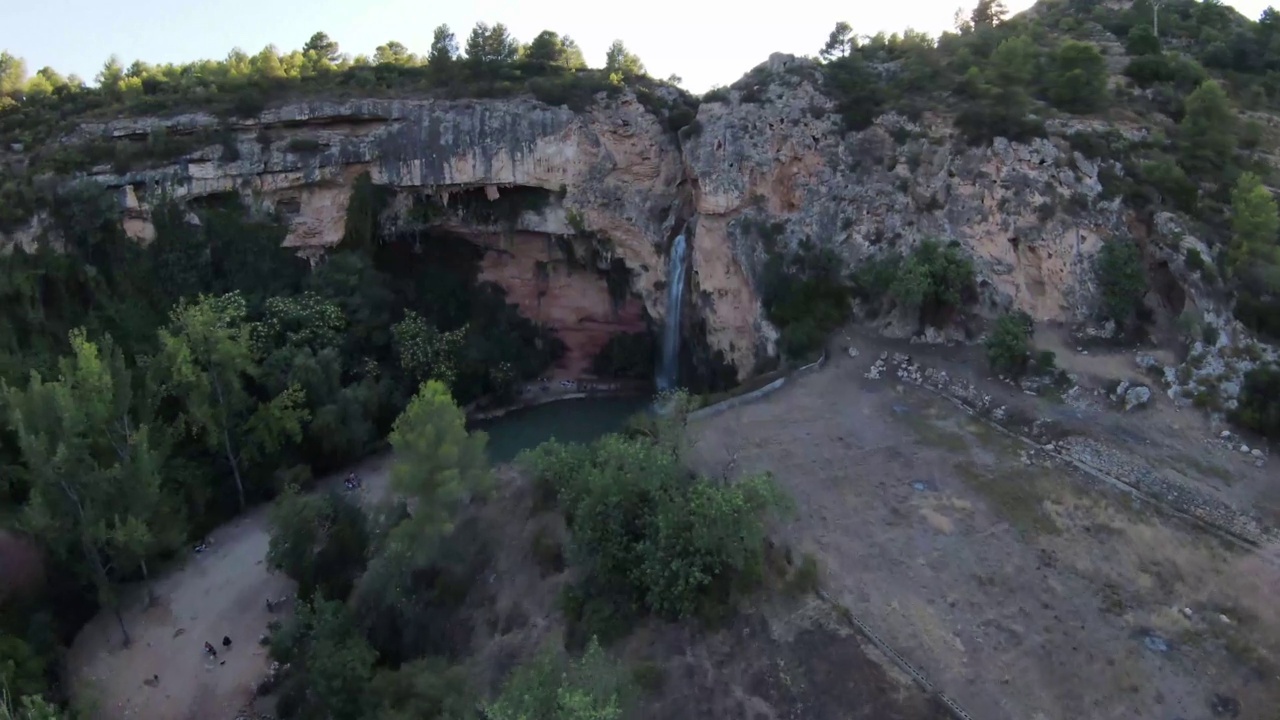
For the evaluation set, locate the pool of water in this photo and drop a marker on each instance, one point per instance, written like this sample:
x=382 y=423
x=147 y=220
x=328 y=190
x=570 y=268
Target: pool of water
x=568 y=421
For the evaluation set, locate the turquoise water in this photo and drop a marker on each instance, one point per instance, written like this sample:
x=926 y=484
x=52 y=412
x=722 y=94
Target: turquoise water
x=568 y=421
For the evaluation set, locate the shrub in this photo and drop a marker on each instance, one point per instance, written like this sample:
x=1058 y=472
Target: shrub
x=935 y=280
x=1259 y=408
x=1122 y=280
x=592 y=687
x=652 y=537
x=1008 y=346
x=1079 y=80
x=805 y=295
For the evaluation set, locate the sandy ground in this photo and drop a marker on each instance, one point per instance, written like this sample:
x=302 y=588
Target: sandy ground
x=1019 y=588
x=221 y=591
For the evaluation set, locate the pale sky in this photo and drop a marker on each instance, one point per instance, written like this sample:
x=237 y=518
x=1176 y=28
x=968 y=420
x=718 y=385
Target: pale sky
x=705 y=43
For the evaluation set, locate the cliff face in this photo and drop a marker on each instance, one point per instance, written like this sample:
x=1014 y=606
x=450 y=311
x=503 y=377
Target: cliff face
x=1031 y=215
x=621 y=186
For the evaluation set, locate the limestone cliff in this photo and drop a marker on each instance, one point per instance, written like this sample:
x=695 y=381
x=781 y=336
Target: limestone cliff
x=618 y=186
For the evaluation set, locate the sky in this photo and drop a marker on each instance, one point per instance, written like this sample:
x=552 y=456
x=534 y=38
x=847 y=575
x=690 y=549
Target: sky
x=705 y=43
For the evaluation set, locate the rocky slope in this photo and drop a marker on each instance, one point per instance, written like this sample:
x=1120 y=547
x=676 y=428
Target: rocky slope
x=616 y=185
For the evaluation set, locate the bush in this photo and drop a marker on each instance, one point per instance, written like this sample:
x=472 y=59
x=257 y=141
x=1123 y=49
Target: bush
x=805 y=295
x=1122 y=280
x=1079 y=80
x=1259 y=408
x=1008 y=346
x=651 y=536
x=592 y=687
x=934 y=280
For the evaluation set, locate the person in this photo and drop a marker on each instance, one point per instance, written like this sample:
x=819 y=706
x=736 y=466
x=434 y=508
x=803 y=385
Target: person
x=226 y=641
x=208 y=647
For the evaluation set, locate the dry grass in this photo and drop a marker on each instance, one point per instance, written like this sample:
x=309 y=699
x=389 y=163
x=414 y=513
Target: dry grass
x=1018 y=495
x=1160 y=571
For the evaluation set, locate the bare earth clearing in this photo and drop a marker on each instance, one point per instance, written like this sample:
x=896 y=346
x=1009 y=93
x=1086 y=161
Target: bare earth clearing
x=222 y=591
x=1020 y=587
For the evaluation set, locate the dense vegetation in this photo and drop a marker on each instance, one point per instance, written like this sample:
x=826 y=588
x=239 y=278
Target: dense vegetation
x=648 y=536
x=383 y=591
x=149 y=394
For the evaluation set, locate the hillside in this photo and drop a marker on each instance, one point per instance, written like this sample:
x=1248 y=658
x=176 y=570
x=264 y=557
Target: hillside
x=226 y=278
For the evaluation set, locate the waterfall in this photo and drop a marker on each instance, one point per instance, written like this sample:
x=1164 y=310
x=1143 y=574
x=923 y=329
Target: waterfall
x=669 y=363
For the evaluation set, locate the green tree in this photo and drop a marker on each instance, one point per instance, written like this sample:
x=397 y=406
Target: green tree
x=1079 y=80
x=93 y=469
x=839 y=43
x=988 y=14
x=394 y=53
x=206 y=361
x=1255 y=225
x=1008 y=346
x=438 y=465
x=551 y=50
x=619 y=60
x=1142 y=40
x=111 y=75
x=323 y=47
x=318 y=540
x=444 y=48
x=489 y=47
x=648 y=534
x=1122 y=280
x=549 y=687
x=426 y=688
x=28 y=707
x=426 y=353
x=267 y=63
x=330 y=662
x=1207 y=131
x=1014 y=64
x=13 y=75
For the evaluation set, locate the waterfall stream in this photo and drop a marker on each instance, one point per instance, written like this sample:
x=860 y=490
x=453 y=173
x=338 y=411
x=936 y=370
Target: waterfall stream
x=669 y=363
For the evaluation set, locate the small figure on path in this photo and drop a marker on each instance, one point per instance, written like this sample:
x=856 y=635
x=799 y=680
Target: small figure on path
x=226 y=641
x=208 y=647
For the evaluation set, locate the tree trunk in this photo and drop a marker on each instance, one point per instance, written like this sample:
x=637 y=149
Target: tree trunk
x=120 y=619
x=235 y=467
x=226 y=441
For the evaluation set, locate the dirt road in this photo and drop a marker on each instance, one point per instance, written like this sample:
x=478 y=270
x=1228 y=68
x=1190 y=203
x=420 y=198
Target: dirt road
x=221 y=591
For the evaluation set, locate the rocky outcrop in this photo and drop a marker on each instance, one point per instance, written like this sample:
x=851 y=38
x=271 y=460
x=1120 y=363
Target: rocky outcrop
x=754 y=174
x=1031 y=215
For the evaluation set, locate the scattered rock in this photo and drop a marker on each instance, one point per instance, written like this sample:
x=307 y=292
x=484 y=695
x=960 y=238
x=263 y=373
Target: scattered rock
x=1186 y=612
x=1244 y=449
x=1224 y=619
x=853 y=351
x=1256 y=453
x=1155 y=643
x=1136 y=397
x=1225 y=434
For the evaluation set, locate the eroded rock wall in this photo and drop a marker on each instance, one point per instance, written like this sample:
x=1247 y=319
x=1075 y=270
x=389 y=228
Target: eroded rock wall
x=1031 y=215
x=551 y=288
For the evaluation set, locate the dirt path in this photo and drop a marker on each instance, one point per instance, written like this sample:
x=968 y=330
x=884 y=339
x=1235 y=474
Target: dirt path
x=221 y=591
